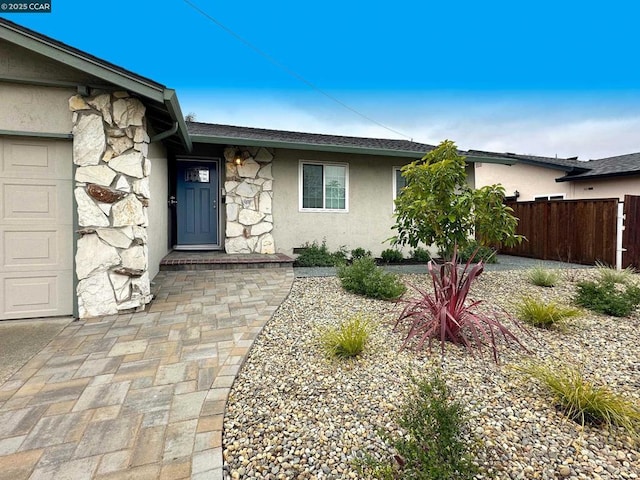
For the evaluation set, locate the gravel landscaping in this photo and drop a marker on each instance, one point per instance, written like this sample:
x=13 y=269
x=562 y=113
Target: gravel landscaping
x=294 y=413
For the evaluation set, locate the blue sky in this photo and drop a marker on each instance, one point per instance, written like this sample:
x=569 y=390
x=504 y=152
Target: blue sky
x=531 y=77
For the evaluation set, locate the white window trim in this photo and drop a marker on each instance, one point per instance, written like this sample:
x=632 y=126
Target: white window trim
x=324 y=164
x=395 y=187
x=548 y=196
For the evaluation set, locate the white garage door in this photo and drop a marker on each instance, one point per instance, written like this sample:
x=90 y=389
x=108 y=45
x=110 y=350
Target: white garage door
x=36 y=231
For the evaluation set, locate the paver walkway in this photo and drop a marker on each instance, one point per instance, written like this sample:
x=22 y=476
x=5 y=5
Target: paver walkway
x=139 y=396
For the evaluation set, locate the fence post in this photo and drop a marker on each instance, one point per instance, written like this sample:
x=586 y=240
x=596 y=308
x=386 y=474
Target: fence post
x=619 y=230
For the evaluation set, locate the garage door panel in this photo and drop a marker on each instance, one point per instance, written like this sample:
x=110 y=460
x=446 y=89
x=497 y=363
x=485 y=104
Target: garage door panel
x=30 y=200
x=35 y=158
x=36 y=295
x=36 y=228
x=36 y=249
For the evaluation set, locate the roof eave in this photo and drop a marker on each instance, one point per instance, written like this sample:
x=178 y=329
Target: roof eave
x=175 y=112
x=252 y=142
x=482 y=159
x=92 y=66
x=50 y=50
x=598 y=176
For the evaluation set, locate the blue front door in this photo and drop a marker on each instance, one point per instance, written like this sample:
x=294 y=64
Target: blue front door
x=197 y=209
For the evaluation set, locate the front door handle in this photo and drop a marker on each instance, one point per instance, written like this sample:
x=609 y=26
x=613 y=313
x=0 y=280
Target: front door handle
x=172 y=201
x=215 y=204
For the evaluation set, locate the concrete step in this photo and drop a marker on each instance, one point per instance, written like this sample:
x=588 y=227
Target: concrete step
x=214 y=260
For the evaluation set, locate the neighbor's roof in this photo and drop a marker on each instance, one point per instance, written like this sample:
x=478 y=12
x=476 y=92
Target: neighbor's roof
x=621 y=165
x=162 y=104
x=564 y=164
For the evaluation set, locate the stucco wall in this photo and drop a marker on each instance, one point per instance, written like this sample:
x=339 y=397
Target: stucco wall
x=35 y=109
x=158 y=212
x=19 y=62
x=369 y=219
x=605 y=188
x=530 y=181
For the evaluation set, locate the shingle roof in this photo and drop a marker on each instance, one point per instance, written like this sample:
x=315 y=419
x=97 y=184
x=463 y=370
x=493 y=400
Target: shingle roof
x=566 y=164
x=608 y=167
x=267 y=137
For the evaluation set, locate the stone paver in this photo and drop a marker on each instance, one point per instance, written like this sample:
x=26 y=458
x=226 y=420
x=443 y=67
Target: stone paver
x=141 y=395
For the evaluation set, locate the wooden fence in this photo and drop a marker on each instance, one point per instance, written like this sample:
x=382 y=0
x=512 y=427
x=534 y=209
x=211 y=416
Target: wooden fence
x=576 y=231
x=631 y=233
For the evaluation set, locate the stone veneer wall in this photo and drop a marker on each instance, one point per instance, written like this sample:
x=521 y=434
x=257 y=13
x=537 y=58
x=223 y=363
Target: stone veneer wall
x=110 y=147
x=249 y=194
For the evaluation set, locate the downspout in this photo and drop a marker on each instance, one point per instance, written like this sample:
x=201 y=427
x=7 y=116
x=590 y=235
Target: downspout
x=620 y=228
x=165 y=134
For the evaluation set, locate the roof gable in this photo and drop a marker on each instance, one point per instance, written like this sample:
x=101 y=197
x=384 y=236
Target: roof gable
x=163 y=107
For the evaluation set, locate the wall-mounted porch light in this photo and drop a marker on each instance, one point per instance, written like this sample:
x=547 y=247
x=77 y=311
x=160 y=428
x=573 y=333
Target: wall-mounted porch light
x=238 y=158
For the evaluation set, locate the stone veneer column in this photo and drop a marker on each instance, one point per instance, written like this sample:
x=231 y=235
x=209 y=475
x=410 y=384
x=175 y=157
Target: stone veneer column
x=249 y=195
x=110 y=147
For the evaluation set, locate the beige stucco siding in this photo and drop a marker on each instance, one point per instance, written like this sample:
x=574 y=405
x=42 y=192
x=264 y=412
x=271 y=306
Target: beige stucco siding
x=18 y=62
x=35 y=109
x=158 y=213
x=32 y=108
x=532 y=181
x=369 y=218
x=605 y=187
x=529 y=180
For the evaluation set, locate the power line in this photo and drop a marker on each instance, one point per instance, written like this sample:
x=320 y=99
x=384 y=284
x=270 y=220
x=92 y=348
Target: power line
x=294 y=74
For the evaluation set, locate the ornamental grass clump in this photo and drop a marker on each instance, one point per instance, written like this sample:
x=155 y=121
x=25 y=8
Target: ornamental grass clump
x=542 y=277
x=347 y=339
x=609 y=274
x=364 y=277
x=581 y=400
x=534 y=311
x=448 y=315
x=433 y=444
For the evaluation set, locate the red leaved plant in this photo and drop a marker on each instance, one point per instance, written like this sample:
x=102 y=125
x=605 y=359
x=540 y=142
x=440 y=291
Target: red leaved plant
x=448 y=315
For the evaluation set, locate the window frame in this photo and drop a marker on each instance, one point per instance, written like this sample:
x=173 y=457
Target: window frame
x=549 y=197
x=323 y=164
x=394 y=182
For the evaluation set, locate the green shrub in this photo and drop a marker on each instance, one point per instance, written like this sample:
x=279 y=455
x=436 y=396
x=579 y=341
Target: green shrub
x=544 y=315
x=365 y=278
x=486 y=254
x=315 y=255
x=391 y=255
x=618 y=300
x=347 y=339
x=359 y=253
x=339 y=256
x=609 y=274
x=542 y=277
x=420 y=255
x=433 y=445
x=581 y=400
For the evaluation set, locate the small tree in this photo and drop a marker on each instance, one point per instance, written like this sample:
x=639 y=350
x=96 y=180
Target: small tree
x=439 y=207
